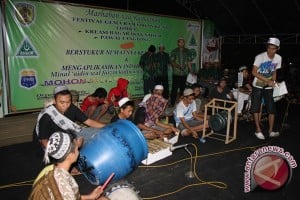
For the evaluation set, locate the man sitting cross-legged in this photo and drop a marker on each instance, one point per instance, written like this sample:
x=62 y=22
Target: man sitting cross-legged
x=147 y=118
x=186 y=117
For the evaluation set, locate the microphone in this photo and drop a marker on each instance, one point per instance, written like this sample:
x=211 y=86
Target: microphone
x=173 y=148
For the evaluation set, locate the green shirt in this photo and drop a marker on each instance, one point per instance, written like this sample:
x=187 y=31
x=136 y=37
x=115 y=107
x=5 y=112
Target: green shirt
x=163 y=60
x=148 y=63
x=181 y=58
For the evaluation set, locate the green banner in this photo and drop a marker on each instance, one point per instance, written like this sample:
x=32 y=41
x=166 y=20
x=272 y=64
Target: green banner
x=1 y=66
x=84 y=48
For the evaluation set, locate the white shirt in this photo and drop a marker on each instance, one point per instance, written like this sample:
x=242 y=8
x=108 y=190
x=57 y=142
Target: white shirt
x=266 y=67
x=184 y=111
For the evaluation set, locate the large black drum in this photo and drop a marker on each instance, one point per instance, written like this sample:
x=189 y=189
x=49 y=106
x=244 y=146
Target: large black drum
x=218 y=121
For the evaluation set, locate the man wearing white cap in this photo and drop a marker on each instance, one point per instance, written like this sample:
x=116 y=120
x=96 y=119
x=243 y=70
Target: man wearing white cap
x=158 y=90
x=186 y=117
x=264 y=72
x=126 y=107
x=147 y=116
x=55 y=181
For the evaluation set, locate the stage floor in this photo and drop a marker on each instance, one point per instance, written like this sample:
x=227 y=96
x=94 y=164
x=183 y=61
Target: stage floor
x=219 y=167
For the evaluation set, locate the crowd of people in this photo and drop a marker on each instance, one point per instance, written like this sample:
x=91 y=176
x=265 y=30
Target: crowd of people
x=62 y=127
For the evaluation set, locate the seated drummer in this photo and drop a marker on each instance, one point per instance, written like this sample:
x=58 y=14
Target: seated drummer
x=242 y=83
x=186 y=117
x=147 y=118
x=126 y=108
x=54 y=181
x=62 y=115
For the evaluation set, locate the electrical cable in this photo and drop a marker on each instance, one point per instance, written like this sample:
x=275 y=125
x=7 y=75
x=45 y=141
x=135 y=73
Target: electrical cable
x=22 y=183
x=217 y=184
x=201 y=182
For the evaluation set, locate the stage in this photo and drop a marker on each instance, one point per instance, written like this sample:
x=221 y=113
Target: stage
x=219 y=169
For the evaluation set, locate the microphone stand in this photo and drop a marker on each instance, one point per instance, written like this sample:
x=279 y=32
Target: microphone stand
x=189 y=174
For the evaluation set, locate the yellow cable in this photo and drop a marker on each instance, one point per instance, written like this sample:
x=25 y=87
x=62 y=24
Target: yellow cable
x=212 y=183
x=202 y=156
x=18 y=184
x=22 y=183
x=217 y=184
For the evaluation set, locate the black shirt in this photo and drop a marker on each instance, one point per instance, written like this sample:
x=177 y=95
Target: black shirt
x=140 y=115
x=47 y=127
x=116 y=118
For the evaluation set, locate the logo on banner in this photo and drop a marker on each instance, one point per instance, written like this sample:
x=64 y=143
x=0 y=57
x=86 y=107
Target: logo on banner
x=26 y=49
x=28 y=78
x=193 y=26
x=25 y=13
x=269 y=168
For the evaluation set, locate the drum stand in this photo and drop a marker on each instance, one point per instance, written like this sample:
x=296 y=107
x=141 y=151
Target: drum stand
x=190 y=174
x=230 y=107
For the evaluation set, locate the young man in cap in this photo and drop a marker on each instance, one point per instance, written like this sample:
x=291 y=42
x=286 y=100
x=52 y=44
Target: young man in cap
x=186 y=117
x=264 y=72
x=55 y=181
x=61 y=116
x=126 y=108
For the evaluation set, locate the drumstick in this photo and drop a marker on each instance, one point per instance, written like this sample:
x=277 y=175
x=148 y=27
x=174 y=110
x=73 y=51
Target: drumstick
x=107 y=181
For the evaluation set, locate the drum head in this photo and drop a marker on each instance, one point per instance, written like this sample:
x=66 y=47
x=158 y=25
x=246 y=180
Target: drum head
x=122 y=190
x=224 y=117
x=216 y=122
x=223 y=113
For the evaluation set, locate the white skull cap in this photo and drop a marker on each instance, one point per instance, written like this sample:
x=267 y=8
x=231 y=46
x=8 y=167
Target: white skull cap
x=158 y=87
x=123 y=101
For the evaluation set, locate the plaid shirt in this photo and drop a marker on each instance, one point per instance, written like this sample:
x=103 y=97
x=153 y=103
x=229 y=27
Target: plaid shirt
x=155 y=106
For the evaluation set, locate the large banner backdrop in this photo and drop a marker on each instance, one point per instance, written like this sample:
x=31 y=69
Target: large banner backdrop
x=84 y=48
x=1 y=66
